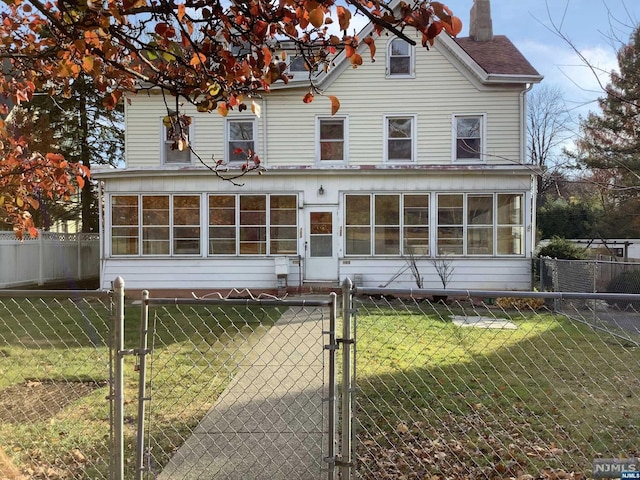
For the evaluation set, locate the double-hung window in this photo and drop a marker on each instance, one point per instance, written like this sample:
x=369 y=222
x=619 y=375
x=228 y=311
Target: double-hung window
x=241 y=139
x=254 y=224
x=331 y=139
x=480 y=224
x=387 y=224
x=176 y=139
x=468 y=137
x=400 y=138
x=399 y=58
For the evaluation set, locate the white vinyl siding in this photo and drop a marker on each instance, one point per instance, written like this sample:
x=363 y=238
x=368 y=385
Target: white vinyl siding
x=440 y=90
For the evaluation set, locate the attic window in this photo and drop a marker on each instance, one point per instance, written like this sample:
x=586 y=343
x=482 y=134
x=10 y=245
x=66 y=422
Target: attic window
x=297 y=65
x=399 y=59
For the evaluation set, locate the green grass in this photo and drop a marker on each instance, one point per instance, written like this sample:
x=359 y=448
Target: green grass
x=552 y=393
x=196 y=350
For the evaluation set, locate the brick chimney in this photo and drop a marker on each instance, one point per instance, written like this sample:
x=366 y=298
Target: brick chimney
x=480 y=25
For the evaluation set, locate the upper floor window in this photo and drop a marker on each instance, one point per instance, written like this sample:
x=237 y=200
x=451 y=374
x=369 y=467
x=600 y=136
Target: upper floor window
x=331 y=139
x=176 y=139
x=399 y=58
x=241 y=139
x=297 y=65
x=468 y=137
x=399 y=138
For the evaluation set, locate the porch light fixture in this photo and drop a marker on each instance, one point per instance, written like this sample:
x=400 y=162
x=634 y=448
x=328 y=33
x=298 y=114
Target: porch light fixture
x=321 y=190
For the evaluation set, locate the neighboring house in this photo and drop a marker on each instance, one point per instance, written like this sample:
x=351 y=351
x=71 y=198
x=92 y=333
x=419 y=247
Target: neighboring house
x=426 y=156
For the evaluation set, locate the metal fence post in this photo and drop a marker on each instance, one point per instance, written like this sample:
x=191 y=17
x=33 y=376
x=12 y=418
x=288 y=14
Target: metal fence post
x=332 y=347
x=142 y=384
x=346 y=462
x=117 y=469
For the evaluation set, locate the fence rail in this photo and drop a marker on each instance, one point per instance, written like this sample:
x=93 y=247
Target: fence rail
x=438 y=384
x=50 y=257
x=589 y=276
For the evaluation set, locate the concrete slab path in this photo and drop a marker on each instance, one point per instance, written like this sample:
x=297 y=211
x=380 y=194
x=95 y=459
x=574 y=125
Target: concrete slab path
x=270 y=422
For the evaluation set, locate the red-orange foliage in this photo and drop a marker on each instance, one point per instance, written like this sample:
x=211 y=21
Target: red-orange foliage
x=213 y=54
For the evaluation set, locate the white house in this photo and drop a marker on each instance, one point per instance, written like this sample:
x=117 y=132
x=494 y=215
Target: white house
x=425 y=156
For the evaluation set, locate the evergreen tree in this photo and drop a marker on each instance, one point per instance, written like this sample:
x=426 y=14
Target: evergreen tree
x=611 y=139
x=82 y=129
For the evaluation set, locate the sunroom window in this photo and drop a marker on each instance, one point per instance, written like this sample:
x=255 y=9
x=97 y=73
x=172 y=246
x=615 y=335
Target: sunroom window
x=155 y=224
x=480 y=224
x=253 y=224
x=387 y=224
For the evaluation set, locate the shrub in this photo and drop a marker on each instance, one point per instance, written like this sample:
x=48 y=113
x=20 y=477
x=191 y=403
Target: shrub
x=563 y=249
x=627 y=282
x=520 y=303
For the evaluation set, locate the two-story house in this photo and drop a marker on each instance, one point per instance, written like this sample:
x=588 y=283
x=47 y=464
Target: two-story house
x=425 y=158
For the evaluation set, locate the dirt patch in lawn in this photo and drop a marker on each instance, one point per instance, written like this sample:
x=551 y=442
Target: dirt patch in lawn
x=35 y=400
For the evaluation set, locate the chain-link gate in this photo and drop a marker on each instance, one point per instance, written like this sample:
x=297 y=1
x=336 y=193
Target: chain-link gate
x=237 y=388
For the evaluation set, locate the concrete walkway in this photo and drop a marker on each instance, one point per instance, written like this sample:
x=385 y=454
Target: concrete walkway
x=270 y=422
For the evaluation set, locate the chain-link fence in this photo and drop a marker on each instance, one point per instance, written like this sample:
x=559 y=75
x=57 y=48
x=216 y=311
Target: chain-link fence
x=55 y=416
x=237 y=389
x=489 y=385
x=586 y=276
x=448 y=385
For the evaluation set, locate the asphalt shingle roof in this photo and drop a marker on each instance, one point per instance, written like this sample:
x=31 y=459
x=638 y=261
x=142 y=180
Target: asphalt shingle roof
x=497 y=56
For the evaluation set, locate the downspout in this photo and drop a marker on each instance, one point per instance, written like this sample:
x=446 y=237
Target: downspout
x=523 y=160
x=265 y=135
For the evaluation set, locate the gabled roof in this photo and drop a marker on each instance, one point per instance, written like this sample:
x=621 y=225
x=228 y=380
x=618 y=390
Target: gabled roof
x=497 y=56
x=492 y=62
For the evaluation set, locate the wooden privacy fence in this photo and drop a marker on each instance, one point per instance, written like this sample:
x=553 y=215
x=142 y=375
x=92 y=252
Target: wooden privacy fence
x=50 y=257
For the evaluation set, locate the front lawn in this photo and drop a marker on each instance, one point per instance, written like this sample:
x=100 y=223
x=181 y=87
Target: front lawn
x=436 y=400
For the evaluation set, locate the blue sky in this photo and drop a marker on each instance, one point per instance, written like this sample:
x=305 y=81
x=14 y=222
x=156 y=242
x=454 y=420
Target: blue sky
x=595 y=27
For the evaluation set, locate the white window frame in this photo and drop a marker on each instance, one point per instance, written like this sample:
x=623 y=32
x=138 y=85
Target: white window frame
x=227 y=136
x=165 y=145
x=385 y=137
x=345 y=140
x=412 y=60
x=482 y=157
x=296 y=74
x=495 y=225
x=171 y=225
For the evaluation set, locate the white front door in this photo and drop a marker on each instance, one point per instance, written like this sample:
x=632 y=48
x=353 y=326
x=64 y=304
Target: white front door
x=321 y=259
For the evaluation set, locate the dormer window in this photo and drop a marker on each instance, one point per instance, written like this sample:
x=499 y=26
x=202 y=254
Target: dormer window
x=399 y=59
x=176 y=139
x=297 y=65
